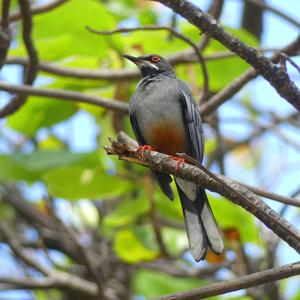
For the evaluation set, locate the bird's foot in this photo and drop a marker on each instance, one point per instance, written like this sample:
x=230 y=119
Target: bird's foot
x=179 y=161
x=144 y=148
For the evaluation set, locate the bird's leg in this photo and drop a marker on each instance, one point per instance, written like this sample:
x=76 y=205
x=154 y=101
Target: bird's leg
x=179 y=161
x=144 y=148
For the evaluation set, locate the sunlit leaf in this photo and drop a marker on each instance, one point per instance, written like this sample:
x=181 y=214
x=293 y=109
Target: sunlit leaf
x=230 y=215
x=40 y=112
x=128 y=210
x=58 y=35
x=129 y=247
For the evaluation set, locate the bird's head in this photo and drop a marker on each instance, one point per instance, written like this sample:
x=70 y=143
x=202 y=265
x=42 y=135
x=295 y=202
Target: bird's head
x=150 y=64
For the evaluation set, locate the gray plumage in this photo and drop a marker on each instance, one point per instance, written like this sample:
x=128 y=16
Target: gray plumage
x=164 y=115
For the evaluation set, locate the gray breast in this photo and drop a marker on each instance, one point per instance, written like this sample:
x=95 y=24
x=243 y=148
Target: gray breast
x=157 y=101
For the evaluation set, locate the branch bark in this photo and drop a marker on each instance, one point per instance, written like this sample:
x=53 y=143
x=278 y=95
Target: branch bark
x=242 y=282
x=236 y=85
x=279 y=79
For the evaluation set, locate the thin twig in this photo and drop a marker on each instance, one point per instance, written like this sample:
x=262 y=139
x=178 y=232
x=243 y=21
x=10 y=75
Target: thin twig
x=154 y=218
x=65 y=95
x=38 y=9
x=272 y=9
x=291 y=62
x=181 y=57
x=173 y=32
x=19 y=251
x=236 y=284
x=272 y=196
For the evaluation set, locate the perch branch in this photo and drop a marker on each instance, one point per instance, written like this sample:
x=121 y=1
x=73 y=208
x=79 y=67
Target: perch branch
x=202 y=177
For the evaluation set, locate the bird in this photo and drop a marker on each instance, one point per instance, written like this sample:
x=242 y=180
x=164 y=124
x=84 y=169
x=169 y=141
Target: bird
x=164 y=117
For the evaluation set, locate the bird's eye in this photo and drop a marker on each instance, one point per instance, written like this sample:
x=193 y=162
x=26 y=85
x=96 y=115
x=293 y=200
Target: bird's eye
x=155 y=58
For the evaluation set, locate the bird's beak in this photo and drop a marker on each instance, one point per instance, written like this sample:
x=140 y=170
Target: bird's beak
x=135 y=60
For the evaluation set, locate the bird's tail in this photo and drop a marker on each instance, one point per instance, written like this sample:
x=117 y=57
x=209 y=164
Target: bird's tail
x=202 y=229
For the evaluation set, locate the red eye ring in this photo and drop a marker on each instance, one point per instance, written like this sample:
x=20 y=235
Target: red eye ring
x=155 y=58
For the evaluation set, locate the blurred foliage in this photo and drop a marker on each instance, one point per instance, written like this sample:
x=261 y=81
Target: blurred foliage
x=43 y=156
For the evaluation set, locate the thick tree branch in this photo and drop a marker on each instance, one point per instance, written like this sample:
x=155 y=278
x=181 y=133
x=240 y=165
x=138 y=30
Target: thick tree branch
x=216 y=183
x=233 y=87
x=65 y=95
x=279 y=79
x=242 y=282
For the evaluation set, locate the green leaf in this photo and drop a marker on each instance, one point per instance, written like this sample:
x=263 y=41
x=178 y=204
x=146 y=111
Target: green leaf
x=51 y=142
x=144 y=40
x=129 y=247
x=230 y=215
x=30 y=167
x=58 y=35
x=175 y=240
x=168 y=209
x=77 y=182
x=153 y=284
x=128 y=211
x=39 y=112
x=11 y=170
x=147 y=16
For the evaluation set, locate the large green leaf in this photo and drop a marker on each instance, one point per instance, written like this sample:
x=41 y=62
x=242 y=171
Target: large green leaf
x=39 y=112
x=132 y=245
x=153 y=284
x=61 y=32
x=230 y=215
x=127 y=211
x=12 y=170
x=175 y=240
x=77 y=182
x=31 y=166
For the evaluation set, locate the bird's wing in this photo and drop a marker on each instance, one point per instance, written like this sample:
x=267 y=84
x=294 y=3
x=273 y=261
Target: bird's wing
x=201 y=206
x=162 y=179
x=193 y=120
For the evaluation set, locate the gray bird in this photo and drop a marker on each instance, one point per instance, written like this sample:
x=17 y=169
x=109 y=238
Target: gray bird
x=164 y=115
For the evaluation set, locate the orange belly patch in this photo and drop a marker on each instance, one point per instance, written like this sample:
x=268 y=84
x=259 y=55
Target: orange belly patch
x=167 y=138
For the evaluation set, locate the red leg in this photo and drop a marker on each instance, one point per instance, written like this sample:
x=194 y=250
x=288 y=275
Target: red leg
x=179 y=160
x=144 y=148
